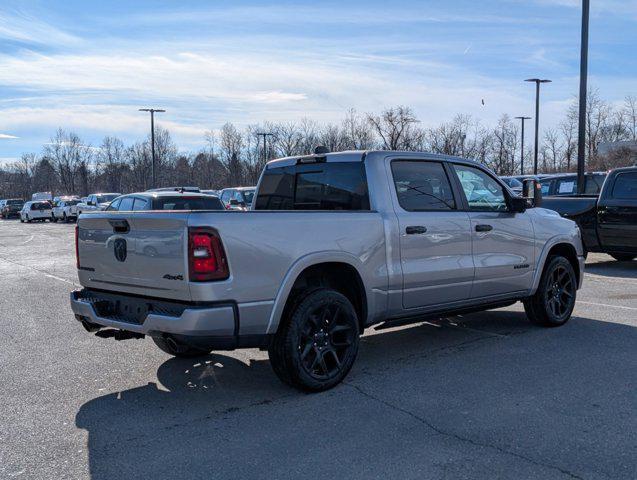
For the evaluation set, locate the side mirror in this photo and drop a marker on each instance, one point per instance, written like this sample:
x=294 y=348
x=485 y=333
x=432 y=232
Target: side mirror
x=518 y=204
x=532 y=191
x=234 y=202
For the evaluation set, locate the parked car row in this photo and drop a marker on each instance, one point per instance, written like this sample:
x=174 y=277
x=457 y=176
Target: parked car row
x=43 y=206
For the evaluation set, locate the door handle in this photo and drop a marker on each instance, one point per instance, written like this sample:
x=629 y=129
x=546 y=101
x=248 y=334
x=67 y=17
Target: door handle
x=483 y=228
x=415 y=230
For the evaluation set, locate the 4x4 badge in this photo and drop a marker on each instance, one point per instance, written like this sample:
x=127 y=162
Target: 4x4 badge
x=119 y=249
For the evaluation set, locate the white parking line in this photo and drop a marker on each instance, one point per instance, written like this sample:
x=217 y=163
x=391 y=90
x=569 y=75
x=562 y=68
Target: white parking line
x=606 y=305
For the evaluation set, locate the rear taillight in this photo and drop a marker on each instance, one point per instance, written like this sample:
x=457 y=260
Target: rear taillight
x=206 y=257
x=77 y=246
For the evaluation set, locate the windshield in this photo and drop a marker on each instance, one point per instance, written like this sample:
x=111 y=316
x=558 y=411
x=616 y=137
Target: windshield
x=15 y=202
x=187 y=203
x=72 y=202
x=106 y=198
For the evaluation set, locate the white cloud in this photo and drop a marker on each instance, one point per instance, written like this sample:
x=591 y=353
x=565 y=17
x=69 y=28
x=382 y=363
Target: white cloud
x=6 y=136
x=21 y=27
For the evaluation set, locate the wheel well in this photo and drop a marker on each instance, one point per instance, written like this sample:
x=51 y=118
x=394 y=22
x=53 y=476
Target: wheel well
x=339 y=276
x=567 y=251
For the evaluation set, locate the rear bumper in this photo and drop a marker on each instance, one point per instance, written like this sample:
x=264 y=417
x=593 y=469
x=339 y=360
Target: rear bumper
x=214 y=326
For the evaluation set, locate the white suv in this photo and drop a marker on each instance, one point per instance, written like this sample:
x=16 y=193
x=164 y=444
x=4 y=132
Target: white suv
x=37 y=210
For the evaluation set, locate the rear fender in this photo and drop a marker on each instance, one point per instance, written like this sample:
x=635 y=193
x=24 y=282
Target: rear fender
x=298 y=267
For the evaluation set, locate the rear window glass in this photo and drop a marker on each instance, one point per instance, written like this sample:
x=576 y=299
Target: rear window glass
x=40 y=206
x=15 y=202
x=594 y=184
x=625 y=186
x=187 y=203
x=316 y=186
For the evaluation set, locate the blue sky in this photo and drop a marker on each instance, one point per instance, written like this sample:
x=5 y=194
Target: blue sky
x=88 y=66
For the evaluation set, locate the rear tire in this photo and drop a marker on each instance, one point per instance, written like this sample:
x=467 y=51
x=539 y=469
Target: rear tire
x=553 y=302
x=177 y=349
x=316 y=344
x=65 y=219
x=623 y=257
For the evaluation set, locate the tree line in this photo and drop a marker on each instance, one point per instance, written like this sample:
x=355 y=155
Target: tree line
x=233 y=156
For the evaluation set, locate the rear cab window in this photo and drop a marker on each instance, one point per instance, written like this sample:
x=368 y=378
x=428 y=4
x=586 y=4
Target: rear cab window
x=625 y=187
x=314 y=186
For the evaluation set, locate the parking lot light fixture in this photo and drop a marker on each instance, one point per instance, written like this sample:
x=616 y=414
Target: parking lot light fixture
x=522 y=144
x=152 y=138
x=537 y=82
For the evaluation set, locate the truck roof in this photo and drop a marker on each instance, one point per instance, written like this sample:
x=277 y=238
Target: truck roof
x=360 y=155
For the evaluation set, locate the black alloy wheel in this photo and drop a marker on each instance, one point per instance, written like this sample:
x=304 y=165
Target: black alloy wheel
x=317 y=342
x=325 y=341
x=560 y=296
x=553 y=302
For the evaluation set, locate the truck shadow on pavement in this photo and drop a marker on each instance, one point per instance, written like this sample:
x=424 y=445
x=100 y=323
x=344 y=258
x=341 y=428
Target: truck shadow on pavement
x=613 y=268
x=475 y=397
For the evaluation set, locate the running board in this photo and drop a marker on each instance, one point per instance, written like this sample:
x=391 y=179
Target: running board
x=423 y=317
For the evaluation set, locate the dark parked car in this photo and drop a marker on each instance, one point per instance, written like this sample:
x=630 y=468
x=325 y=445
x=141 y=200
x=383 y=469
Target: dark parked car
x=11 y=207
x=608 y=223
x=566 y=184
x=165 y=200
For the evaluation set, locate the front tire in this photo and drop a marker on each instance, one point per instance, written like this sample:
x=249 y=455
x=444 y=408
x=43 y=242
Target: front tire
x=178 y=349
x=65 y=219
x=623 y=257
x=553 y=302
x=316 y=344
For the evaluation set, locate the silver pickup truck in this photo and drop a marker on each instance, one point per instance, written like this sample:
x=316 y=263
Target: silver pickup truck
x=334 y=243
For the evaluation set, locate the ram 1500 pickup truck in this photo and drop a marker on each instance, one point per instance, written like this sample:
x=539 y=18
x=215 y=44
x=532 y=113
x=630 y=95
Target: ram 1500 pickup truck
x=608 y=223
x=334 y=243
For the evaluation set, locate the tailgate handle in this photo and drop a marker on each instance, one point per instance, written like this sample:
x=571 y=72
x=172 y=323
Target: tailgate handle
x=119 y=226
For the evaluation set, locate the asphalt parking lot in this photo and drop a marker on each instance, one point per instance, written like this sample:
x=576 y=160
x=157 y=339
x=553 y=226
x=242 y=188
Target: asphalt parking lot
x=481 y=396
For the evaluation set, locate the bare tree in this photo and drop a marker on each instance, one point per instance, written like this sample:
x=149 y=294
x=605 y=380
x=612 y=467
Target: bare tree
x=397 y=129
x=630 y=112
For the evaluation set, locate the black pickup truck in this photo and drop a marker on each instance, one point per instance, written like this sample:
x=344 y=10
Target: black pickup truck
x=608 y=222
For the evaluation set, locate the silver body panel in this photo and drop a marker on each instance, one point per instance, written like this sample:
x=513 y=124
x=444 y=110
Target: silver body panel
x=449 y=266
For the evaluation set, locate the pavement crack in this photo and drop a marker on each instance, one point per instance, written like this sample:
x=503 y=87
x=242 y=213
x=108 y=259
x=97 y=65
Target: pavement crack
x=458 y=437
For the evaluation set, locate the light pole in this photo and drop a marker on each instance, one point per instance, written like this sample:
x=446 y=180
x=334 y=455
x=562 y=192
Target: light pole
x=522 y=145
x=583 y=74
x=537 y=117
x=265 y=147
x=152 y=137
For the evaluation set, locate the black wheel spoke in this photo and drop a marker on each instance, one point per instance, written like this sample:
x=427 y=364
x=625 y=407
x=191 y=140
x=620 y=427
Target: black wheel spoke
x=306 y=350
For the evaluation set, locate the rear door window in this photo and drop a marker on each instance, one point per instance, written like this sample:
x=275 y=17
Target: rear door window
x=315 y=186
x=140 y=204
x=625 y=187
x=422 y=186
x=126 y=205
x=114 y=206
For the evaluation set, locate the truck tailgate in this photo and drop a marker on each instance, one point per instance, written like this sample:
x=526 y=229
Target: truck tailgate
x=140 y=253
